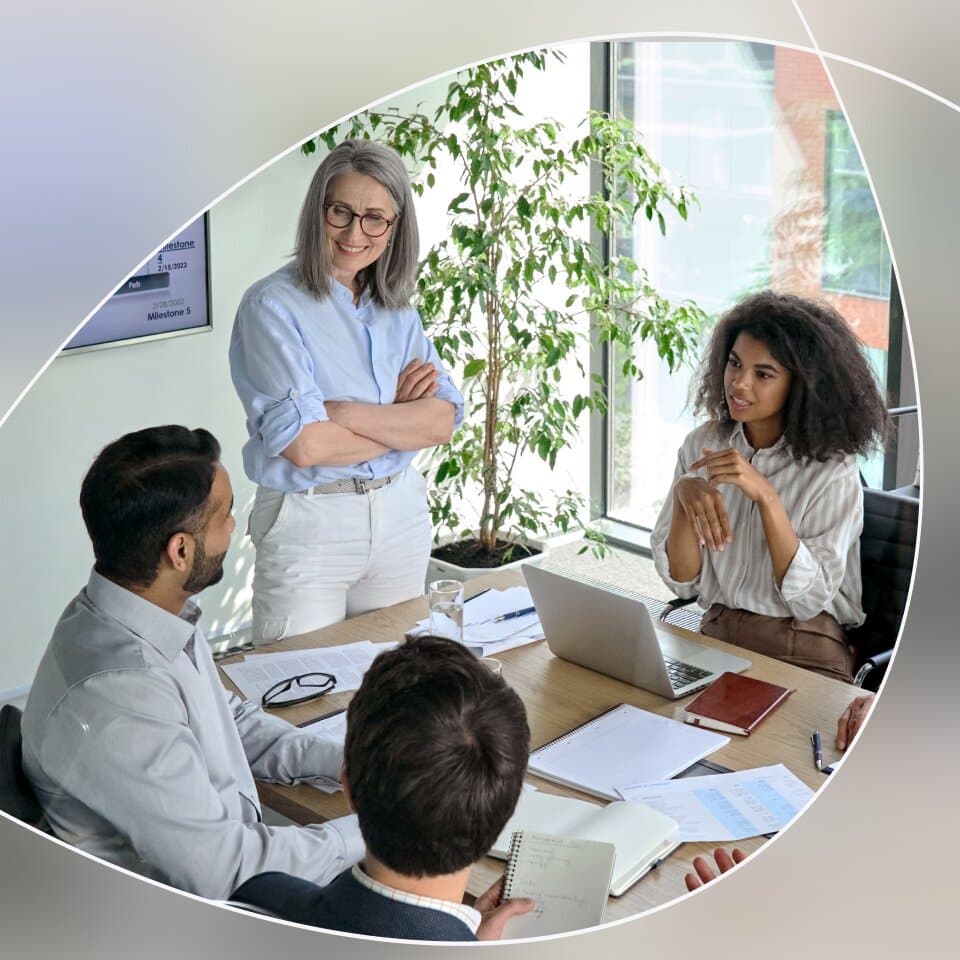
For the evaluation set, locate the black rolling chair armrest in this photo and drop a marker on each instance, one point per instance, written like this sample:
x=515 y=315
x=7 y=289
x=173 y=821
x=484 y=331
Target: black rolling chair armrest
x=877 y=662
x=673 y=605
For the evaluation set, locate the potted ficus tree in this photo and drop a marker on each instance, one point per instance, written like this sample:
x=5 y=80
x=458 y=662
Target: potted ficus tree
x=517 y=289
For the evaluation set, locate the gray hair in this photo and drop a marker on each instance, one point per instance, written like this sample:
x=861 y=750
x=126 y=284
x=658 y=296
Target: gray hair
x=391 y=278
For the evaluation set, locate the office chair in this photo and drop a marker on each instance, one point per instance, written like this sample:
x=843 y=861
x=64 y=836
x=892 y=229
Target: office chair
x=887 y=548
x=16 y=795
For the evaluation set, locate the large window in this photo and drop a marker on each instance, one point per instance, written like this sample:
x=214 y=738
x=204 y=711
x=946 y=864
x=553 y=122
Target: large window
x=757 y=132
x=855 y=257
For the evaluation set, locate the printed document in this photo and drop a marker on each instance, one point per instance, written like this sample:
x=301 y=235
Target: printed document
x=348 y=662
x=726 y=806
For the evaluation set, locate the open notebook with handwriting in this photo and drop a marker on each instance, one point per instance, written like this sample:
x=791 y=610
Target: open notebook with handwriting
x=567 y=878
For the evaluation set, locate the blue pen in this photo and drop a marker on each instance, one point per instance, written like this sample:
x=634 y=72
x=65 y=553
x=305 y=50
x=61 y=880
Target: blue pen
x=514 y=614
x=817 y=749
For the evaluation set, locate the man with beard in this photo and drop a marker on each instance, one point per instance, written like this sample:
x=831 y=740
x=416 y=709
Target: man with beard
x=136 y=751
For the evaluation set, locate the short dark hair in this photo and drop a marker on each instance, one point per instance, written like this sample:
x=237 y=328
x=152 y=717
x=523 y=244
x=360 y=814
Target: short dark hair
x=834 y=406
x=140 y=491
x=435 y=753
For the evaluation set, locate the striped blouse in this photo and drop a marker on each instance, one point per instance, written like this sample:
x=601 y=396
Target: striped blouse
x=825 y=504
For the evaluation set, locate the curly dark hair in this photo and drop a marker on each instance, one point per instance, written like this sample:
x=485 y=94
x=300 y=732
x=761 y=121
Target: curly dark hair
x=834 y=405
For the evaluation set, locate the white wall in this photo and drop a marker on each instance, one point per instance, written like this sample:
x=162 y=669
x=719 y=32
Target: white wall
x=84 y=401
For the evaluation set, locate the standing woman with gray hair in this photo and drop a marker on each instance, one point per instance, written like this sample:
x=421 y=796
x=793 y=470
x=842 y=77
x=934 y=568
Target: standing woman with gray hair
x=341 y=387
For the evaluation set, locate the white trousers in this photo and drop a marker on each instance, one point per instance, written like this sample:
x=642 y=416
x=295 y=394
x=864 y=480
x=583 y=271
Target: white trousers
x=325 y=556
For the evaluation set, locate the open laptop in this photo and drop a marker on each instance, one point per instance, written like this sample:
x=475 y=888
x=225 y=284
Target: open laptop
x=608 y=630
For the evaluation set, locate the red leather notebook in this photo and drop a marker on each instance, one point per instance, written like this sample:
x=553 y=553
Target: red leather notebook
x=734 y=703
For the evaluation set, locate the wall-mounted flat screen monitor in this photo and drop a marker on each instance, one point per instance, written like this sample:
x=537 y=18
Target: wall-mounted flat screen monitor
x=168 y=296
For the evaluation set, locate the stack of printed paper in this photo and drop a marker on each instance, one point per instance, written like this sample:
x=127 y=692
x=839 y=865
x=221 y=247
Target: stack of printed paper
x=258 y=672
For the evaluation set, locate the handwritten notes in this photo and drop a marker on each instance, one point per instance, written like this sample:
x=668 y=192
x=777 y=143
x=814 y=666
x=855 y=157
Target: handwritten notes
x=567 y=879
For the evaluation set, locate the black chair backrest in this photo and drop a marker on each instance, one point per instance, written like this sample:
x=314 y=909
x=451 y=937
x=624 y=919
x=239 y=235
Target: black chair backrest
x=887 y=548
x=16 y=795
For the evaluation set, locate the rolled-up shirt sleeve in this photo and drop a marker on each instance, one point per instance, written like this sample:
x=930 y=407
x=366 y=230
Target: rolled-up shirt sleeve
x=828 y=532
x=658 y=541
x=137 y=764
x=273 y=373
x=445 y=388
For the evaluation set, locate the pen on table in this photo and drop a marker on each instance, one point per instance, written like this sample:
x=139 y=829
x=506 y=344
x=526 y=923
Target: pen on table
x=817 y=749
x=480 y=594
x=514 y=613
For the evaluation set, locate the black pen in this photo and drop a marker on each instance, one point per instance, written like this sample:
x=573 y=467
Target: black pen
x=514 y=614
x=480 y=594
x=817 y=749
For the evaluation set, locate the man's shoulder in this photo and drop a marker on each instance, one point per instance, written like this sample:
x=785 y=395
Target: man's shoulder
x=89 y=641
x=347 y=905
x=86 y=643
x=375 y=914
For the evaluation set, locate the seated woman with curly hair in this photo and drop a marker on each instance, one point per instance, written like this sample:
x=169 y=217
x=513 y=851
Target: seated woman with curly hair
x=764 y=517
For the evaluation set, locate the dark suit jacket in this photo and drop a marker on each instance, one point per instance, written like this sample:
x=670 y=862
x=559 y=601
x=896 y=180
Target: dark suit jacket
x=348 y=906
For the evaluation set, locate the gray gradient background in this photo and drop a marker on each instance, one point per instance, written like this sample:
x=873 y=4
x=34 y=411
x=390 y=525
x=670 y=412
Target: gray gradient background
x=117 y=129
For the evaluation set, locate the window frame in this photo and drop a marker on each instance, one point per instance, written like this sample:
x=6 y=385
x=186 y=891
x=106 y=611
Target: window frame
x=903 y=448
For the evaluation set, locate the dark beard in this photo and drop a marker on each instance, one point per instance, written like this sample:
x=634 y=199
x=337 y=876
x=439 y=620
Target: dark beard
x=205 y=571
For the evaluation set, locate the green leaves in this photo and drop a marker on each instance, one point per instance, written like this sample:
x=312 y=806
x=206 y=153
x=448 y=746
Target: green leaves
x=456 y=204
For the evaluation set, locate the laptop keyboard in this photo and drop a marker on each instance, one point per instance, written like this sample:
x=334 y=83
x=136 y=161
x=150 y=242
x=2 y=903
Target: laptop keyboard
x=686 y=617
x=681 y=673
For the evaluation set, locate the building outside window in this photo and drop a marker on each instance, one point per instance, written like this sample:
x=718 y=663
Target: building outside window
x=757 y=132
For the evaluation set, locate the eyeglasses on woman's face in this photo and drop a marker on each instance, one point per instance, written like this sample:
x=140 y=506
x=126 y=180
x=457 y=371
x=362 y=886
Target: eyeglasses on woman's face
x=372 y=224
x=299 y=689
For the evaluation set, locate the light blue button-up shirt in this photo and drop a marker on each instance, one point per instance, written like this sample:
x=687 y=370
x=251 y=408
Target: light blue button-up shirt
x=289 y=352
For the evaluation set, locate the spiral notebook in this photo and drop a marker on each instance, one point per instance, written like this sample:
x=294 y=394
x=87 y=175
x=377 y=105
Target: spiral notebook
x=623 y=745
x=641 y=835
x=567 y=878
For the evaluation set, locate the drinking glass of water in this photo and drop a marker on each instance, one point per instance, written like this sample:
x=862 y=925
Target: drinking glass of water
x=446 y=609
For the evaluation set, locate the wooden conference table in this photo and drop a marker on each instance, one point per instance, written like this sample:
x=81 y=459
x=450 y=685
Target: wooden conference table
x=560 y=695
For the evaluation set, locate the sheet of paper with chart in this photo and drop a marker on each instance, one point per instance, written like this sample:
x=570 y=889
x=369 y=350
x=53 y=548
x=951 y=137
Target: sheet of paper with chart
x=726 y=806
x=347 y=662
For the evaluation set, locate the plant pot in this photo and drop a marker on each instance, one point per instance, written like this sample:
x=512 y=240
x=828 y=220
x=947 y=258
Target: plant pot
x=445 y=570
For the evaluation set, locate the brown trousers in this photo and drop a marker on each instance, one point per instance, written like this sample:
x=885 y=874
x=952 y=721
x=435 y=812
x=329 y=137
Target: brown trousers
x=818 y=644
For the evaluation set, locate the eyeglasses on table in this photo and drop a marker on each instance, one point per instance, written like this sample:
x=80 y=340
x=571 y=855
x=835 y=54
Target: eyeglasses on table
x=299 y=689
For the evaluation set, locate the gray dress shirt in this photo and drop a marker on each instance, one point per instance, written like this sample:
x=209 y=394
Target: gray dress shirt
x=140 y=756
x=825 y=504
